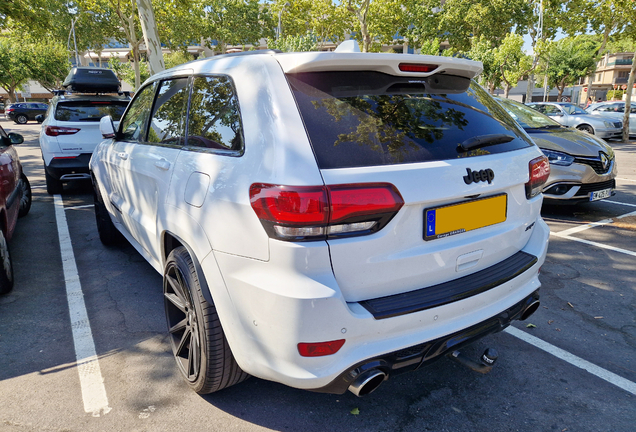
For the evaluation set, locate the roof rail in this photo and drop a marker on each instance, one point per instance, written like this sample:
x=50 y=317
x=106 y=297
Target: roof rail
x=59 y=92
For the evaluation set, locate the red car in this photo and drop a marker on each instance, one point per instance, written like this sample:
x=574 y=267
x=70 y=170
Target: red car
x=15 y=201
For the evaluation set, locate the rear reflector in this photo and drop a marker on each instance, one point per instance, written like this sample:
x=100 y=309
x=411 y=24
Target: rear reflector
x=408 y=67
x=58 y=130
x=539 y=173
x=300 y=213
x=318 y=349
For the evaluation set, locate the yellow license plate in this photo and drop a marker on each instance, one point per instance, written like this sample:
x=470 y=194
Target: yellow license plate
x=458 y=218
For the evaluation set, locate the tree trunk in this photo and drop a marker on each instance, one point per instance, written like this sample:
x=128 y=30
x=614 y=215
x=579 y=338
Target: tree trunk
x=151 y=36
x=507 y=88
x=628 y=99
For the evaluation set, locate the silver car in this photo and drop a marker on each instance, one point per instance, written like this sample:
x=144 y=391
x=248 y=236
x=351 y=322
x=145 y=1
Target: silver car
x=571 y=115
x=614 y=111
x=582 y=166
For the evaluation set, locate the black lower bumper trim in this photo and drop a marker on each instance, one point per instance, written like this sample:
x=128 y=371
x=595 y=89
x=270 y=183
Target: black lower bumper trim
x=77 y=165
x=416 y=356
x=452 y=291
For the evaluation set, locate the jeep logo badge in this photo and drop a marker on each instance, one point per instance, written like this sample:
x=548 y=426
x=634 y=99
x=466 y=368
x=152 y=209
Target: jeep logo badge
x=478 y=176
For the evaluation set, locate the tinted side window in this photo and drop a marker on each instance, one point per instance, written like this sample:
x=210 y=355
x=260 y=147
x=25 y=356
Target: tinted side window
x=133 y=125
x=214 y=119
x=359 y=119
x=166 y=125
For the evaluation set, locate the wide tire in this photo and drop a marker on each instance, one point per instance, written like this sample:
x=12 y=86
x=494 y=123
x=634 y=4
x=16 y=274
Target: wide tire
x=53 y=185
x=198 y=343
x=6 y=267
x=26 y=199
x=109 y=235
x=21 y=119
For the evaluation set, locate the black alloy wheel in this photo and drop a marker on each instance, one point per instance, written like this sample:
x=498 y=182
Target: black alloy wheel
x=109 y=235
x=21 y=119
x=26 y=198
x=6 y=267
x=198 y=343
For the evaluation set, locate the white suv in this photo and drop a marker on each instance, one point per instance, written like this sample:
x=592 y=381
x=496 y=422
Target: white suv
x=324 y=220
x=70 y=130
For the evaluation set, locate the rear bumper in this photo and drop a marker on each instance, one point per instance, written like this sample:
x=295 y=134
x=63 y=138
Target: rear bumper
x=268 y=307
x=73 y=168
x=414 y=357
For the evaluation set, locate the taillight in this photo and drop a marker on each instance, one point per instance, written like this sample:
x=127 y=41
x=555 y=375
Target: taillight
x=408 y=67
x=318 y=349
x=300 y=213
x=539 y=173
x=58 y=130
x=9 y=110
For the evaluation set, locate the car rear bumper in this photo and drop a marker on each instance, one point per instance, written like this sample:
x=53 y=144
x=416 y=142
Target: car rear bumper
x=266 y=312
x=69 y=168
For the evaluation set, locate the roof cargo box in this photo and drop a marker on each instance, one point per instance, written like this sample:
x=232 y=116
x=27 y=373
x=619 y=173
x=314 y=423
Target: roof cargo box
x=91 y=80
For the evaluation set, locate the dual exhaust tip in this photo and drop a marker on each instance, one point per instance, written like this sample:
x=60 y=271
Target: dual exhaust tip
x=369 y=380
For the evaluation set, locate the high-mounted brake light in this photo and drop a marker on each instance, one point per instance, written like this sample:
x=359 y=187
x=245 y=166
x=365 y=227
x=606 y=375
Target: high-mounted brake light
x=539 y=173
x=319 y=349
x=300 y=213
x=410 y=67
x=58 y=130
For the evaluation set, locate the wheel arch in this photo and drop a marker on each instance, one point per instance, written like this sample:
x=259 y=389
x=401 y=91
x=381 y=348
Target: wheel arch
x=171 y=242
x=582 y=125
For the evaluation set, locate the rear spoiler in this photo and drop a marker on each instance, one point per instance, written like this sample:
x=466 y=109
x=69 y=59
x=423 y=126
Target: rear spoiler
x=405 y=65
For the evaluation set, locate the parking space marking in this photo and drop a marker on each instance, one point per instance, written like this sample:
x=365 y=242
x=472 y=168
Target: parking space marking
x=580 y=228
x=625 y=179
x=599 y=245
x=90 y=375
x=598 y=371
x=620 y=203
x=79 y=207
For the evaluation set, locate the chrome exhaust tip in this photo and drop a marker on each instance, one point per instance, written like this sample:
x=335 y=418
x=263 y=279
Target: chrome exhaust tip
x=532 y=308
x=367 y=382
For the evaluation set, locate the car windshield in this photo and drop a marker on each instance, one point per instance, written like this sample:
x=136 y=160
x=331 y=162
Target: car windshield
x=90 y=110
x=357 y=119
x=527 y=117
x=573 y=109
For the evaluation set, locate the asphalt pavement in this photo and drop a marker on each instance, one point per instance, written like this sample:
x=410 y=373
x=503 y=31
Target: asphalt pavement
x=570 y=367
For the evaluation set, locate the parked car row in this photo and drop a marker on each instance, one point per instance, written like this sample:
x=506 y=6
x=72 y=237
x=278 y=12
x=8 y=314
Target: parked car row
x=22 y=112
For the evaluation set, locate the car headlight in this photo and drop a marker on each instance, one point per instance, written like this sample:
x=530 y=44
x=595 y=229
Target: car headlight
x=558 y=158
x=608 y=124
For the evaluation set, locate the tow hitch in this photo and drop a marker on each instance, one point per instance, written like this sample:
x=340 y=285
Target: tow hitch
x=486 y=361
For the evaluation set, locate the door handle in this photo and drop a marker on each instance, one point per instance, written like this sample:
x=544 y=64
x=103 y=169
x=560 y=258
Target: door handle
x=122 y=155
x=163 y=164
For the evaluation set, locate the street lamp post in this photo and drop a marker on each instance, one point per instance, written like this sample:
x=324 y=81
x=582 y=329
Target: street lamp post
x=280 y=12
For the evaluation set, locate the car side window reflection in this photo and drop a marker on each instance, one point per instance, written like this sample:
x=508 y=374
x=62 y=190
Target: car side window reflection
x=214 y=120
x=133 y=125
x=166 y=125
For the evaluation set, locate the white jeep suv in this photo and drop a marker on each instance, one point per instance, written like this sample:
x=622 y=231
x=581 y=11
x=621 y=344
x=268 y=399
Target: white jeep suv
x=324 y=220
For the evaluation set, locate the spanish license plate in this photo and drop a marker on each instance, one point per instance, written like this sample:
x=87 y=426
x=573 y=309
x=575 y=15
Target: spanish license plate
x=466 y=216
x=598 y=195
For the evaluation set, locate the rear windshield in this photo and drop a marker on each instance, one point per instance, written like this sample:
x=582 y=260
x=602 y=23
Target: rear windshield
x=357 y=119
x=89 y=110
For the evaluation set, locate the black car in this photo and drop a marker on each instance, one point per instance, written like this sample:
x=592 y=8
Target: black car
x=24 y=111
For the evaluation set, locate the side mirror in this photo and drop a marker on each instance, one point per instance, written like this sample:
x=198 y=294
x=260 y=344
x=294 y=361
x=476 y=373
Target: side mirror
x=16 y=138
x=107 y=127
x=39 y=118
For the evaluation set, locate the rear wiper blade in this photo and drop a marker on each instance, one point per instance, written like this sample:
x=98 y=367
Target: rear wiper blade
x=485 y=140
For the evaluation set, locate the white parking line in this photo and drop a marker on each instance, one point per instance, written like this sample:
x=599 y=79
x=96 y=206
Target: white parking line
x=599 y=245
x=619 y=203
x=624 y=179
x=604 y=374
x=580 y=228
x=90 y=375
x=79 y=207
